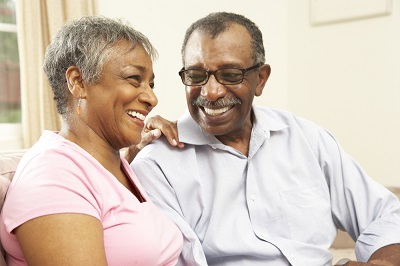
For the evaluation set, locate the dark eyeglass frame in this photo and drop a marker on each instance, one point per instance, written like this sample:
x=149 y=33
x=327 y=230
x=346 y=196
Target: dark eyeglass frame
x=209 y=73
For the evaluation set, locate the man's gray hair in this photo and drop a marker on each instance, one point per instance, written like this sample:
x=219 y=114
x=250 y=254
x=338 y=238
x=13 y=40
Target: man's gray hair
x=86 y=43
x=218 y=22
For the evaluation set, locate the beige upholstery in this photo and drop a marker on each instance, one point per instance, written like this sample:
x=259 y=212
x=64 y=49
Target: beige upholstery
x=8 y=164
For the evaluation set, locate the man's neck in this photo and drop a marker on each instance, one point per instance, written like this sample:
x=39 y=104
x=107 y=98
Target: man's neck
x=240 y=139
x=240 y=144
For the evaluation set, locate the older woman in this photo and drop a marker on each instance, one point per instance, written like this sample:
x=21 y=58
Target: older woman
x=73 y=200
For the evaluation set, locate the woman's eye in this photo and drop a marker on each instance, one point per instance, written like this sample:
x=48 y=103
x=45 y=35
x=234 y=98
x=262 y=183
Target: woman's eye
x=135 y=77
x=135 y=80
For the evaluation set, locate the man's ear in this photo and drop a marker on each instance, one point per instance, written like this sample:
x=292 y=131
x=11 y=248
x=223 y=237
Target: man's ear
x=75 y=82
x=263 y=75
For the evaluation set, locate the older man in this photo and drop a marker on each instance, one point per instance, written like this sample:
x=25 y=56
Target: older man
x=253 y=185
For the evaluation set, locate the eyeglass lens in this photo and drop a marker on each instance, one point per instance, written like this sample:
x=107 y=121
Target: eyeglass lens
x=223 y=76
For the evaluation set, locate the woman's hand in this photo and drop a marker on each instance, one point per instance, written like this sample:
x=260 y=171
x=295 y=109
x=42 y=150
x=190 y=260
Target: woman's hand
x=154 y=128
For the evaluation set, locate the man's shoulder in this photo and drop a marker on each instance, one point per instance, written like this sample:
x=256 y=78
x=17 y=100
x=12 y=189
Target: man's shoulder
x=157 y=148
x=286 y=120
x=283 y=116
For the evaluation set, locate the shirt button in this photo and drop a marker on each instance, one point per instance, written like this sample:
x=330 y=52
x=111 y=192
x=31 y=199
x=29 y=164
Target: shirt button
x=252 y=197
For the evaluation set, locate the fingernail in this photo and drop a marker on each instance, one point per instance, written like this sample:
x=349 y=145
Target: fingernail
x=174 y=142
x=155 y=133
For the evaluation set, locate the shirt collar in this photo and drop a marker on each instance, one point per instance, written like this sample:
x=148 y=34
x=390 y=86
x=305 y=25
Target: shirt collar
x=265 y=122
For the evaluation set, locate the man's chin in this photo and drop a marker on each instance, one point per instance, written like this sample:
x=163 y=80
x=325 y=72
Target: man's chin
x=216 y=130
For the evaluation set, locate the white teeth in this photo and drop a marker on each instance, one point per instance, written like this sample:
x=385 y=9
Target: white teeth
x=136 y=114
x=216 y=111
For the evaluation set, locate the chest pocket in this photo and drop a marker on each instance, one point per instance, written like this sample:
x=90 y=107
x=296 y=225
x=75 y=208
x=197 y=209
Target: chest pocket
x=309 y=215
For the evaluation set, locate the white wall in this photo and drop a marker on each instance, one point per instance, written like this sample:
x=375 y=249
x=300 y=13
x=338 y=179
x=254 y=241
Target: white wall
x=344 y=76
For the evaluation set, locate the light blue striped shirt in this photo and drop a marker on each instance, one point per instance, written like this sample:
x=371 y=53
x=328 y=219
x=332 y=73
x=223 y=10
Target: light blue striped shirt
x=281 y=205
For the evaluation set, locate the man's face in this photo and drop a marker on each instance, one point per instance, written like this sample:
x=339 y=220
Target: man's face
x=222 y=110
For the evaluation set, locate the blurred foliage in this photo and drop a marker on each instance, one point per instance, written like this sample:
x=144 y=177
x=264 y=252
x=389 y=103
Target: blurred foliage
x=8 y=46
x=7 y=11
x=10 y=111
x=10 y=115
x=8 y=40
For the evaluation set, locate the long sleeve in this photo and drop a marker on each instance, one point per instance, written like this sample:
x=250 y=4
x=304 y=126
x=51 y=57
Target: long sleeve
x=360 y=206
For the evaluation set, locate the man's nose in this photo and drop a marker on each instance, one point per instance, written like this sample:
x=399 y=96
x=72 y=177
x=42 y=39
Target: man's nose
x=213 y=90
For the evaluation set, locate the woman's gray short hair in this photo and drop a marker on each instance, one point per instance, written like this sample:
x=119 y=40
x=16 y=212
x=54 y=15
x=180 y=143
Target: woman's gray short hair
x=86 y=43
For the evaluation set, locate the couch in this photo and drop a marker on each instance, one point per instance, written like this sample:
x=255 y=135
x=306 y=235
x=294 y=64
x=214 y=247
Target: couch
x=8 y=164
x=343 y=247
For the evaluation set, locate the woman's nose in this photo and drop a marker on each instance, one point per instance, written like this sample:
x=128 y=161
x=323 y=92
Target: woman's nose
x=149 y=97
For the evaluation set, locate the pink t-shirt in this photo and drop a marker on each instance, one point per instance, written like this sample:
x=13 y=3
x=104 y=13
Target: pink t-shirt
x=57 y=176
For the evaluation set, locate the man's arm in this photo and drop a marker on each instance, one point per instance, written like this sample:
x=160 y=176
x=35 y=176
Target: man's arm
x=385 y=256
x=360 y=206
x=388 y=255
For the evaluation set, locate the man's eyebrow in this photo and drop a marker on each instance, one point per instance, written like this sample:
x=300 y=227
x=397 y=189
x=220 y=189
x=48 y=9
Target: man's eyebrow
x=225 y=65
x=230 y=65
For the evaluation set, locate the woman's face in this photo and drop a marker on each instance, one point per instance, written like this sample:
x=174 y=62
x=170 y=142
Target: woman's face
x=117 y=105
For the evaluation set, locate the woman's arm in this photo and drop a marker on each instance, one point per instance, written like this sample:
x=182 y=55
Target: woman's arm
x=62 y=239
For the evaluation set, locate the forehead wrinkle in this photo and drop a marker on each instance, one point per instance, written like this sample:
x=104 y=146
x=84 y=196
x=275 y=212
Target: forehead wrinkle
x=120 y=51
x=225 y=50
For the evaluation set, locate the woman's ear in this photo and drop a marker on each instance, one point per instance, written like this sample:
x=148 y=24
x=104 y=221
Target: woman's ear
x=263 y=75
x=75 y=82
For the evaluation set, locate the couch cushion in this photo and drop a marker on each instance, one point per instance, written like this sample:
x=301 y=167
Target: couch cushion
x=8 y=165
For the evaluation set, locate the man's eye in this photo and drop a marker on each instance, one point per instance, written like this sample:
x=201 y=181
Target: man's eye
x=231 y=75
x=196 y=75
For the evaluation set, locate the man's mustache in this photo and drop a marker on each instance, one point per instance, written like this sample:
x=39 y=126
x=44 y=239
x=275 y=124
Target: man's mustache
x=221 y=102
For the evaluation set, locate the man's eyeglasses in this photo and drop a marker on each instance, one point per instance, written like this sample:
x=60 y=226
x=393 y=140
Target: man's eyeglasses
x=225 y=76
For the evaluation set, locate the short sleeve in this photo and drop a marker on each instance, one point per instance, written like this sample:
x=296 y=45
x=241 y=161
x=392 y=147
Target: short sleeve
x=49 y=183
